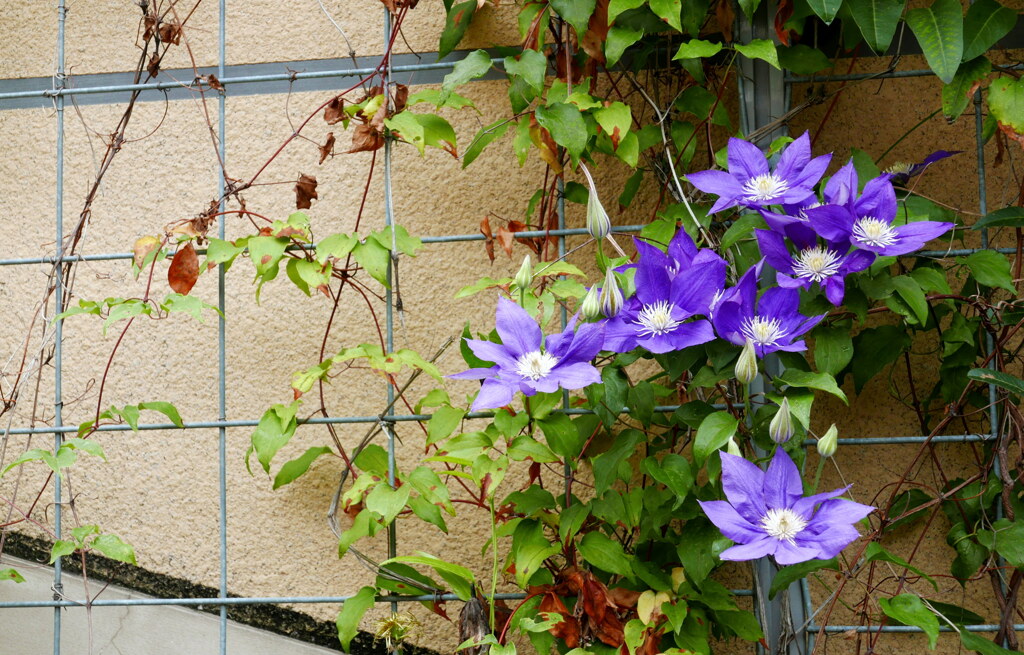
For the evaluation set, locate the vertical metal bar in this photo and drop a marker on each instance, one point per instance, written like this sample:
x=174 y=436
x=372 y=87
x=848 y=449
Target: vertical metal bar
x=222 y=471
x=58 y=350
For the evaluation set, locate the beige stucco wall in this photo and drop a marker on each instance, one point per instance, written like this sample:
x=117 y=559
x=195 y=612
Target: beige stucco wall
x=159 y=488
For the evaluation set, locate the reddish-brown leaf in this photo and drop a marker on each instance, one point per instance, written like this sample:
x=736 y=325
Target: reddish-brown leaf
x=170 y=33
x=305 y=191
x=652 y=643
x=334 y=112
x=327 y=149
x=597 y=32
x=150 y=24
x=485 y=229
x=782 y=14
x=595 y=598
x=399 y=96
x=153 y=67
x=546 y=146
x=213 y=82
x=624 y=598
x=569 y=628
x=184 y=269
x=609 y=630
x=531 y=40
x=725 y=16
x=366 y=139
x=505 y=238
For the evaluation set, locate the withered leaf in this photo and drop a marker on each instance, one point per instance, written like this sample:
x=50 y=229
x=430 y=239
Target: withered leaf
x=506 y=238
x=213 y=82
x=399 y=97
x=153 y=68
x=609 y=630
x=725 y=16
x=149 y=22
x=595 y=599
x=305 y=190
x=624 y=598
x=366 y=139
x=783 y=14
x=569 y=628
x=334 y=112
x=327 y=149
x=473 y=624
x=485 y=229
x=170 y=33
x=143 y=246
x=597 y=32
x=184 y=269
x=394 y=5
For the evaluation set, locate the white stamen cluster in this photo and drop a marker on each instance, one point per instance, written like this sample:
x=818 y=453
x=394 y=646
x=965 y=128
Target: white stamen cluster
x=816 y=263
x=763 y=331
x=656 y=319
x=783 y=524
x=874 y=232
x=764 y=188
x=535 y=365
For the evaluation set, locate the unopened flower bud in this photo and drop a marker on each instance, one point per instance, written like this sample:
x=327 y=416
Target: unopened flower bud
x=524 y=277
x=733 y=448
x=781 y=427
x=591 y=306
x=829 y=442
x=611 y=295
x=598 y=223
x=746 y=365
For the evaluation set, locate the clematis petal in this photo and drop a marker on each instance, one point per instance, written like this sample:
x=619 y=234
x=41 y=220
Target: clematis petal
x=812 y=172
x=787 y=553
x=753 y=550
x=746 y=160
x=730 y=522
x=794 y=158
x=835 y=289
x=684 y=336
x=728 y=320
x=475 y=374
x=779 y=303
x=518 y=331
x=573 y=376
x=492 y=352
x=913 y=236
x=782 y=484
x=830 y=542
x=878 y=200
x=584 y=344
x=493 y=394
x=842 y=187
x=718 y=183
x=773 y=247
x=744 y=486
x=693 y=288
x=652 y=280
x=841 y=510
x=832 y=222
x=858 y=260
x=805 y=506
x=681 y=248
x=620 y=333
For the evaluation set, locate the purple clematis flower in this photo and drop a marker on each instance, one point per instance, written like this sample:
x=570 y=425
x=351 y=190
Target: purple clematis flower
x=827 y=265
x=867 y=223
x=772 y=322
x=670 y=290
x=525 y=361
x=752 y=183
x=766 y=513
x=901 y=173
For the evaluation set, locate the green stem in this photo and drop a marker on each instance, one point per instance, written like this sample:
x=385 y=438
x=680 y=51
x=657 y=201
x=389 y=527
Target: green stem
x=494 y=565
x=905 y=135
x=817 y=474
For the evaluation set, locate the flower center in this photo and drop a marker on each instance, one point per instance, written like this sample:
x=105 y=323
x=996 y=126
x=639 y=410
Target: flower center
x=783 y=524
x=535 y=365
x=816 y=263
x=874 y=232
x=656 y=319
x=763 y=331
x=765 y=187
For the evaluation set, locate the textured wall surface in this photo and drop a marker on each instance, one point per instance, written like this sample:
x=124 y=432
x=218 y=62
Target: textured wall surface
x=159 y=488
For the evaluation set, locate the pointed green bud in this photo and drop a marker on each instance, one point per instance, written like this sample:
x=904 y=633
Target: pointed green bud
x=524 y=277
x=611 y=295
x=591 y=306
x=781 y=427
x=598 y=223
x=746 y=365
x=829 y=442
x=733 y=448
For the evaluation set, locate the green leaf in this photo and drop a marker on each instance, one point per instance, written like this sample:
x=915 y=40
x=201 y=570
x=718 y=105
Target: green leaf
x=619 y=38
x=433 y=96
x=484 y=138
x=85 y=445
x=760 y=49
x=1003 y=380
x=833 y=349
x=957 y=94
x=875 y=553
x=530 y=548
x=373 y=459
x=353 y=609
x=405 y=125
x=11 y=574
x=876 y=348
x=388 y=502
x=697 y=48
x=221 y=252
x=909 y=610
x=826 y=10
x=616 y=7
x=982 y=645
x=566 y=125
x=931 y=279
x=877 y=20
x=266 y=253
x=374 y=258
x=295 y=468
x=455 y=25
x=474 y=65
x=167 y=409
x=532 y=66
x=275 y=429
x=575 y=12
x=607 y=464
x=669 y=11
x=912 y=294
x=674 y=472
x=1006 y=217
x=713 y=433
x=1006 y=101
x=803 y=60
x=987 y=21
x=336 y=245
x=459 y=577
x=990 y=267
x=443 y=422
x=127 y=309
x=787 y=575
x=808 y=380
x=940 y=31
x=62 y=548
x=1010 y=541
x=615 y=120
x=749 y=7
x=605 y=553
x=113 y=547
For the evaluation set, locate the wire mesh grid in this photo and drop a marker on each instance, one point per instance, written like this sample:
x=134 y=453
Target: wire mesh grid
x=758 y=84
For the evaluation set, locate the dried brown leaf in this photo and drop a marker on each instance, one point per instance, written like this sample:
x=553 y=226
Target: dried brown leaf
x=153 y=67
x=334 y=112
x=305 y=190
x=624 y=598
x=568 y=630
x=485 y=229
x=213 y=82
x=327 y=149
x=725 y=16
x=366 y=139
x=597 y=32
x=170 y=33
x=399 y=97
x=184 y=269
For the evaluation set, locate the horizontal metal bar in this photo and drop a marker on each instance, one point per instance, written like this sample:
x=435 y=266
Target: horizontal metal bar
x=871 y=441
x=918 y=72
x=448 y=238
x=982 y=627
x=256 y=600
